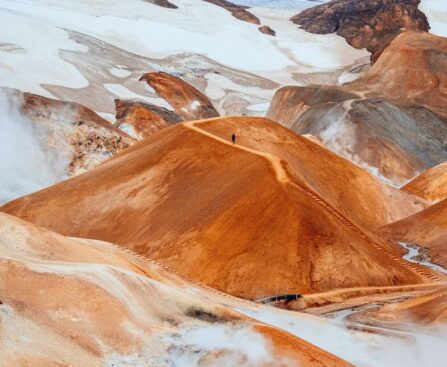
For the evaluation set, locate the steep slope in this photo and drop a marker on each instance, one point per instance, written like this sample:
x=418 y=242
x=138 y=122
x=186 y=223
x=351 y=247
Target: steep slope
x=368 y=201
x=430 y=185
x=427 y=228
x=370 y=24
x=289 y=103
x=391 y=120
x=239 y=218
x=80 y=302
x=187 y=101
x=142 y=119
x=411 y=69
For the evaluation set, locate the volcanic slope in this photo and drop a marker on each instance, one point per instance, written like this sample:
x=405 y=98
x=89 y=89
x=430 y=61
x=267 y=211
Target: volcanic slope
x=237 y=218
x=430 y=185
x=390 y=121
x=427 y=228
x=79 y=302
x=412 y=69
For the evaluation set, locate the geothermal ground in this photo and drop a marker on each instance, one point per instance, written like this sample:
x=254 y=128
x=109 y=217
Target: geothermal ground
x=213 y=183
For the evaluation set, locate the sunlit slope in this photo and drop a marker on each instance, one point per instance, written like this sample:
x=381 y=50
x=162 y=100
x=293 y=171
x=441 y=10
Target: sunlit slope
x=237 y=218
x=79 y=302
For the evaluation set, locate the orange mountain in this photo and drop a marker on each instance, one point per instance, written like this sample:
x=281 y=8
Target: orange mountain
x=427 y=228
x=412 y=68
x=275 y=213
x=430 y=185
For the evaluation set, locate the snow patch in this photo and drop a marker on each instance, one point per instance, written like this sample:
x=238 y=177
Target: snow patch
x=129 y=130
x=122 y=92
x=259 y=107
x=415 y=252
x=120 y=72
x=436 y=12
x=195 y=105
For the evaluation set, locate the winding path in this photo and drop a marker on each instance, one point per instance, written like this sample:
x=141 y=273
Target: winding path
x=283 y=177
x=275 y=161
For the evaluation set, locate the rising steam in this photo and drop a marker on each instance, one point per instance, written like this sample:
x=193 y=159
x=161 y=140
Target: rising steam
x=25 y=163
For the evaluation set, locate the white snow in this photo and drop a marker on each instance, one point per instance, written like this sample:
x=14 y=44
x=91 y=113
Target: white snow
x=348 y=77
x=129 y=130
x=308 y=52
x=107 y=116
x=259 y=107
x=40 y=62
x=195 y=105
x=122 y=92
x=149 y=30
x=436 y=12
x=413 y=251
x=120 y=72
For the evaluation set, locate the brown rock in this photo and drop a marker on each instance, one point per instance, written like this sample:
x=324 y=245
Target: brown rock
x=400 y=140
x=289 y=103
x=238 y=11
x=145 y=118
x=188 y=102
x=163 y=3
x=370 y=24
x=267 y=30
x=413 y=68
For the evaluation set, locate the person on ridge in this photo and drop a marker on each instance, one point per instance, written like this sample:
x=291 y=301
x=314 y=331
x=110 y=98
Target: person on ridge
x=233 y=138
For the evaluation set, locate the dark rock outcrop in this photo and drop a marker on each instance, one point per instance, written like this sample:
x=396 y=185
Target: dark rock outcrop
x=163 y=3
x=370 y=24
x=238 y=11
x=267 y=30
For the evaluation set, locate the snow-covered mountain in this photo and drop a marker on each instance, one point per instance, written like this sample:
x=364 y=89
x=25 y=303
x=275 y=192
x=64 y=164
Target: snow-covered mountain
x=94 y=52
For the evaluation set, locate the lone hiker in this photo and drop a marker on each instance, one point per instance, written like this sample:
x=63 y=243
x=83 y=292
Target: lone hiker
x=233 y=138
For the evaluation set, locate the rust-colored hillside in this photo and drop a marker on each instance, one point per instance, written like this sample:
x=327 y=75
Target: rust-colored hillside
x=252 y=219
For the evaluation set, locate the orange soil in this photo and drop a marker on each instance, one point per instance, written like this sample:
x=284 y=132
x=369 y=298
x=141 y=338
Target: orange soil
x=248 y=220
x=430 y=185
